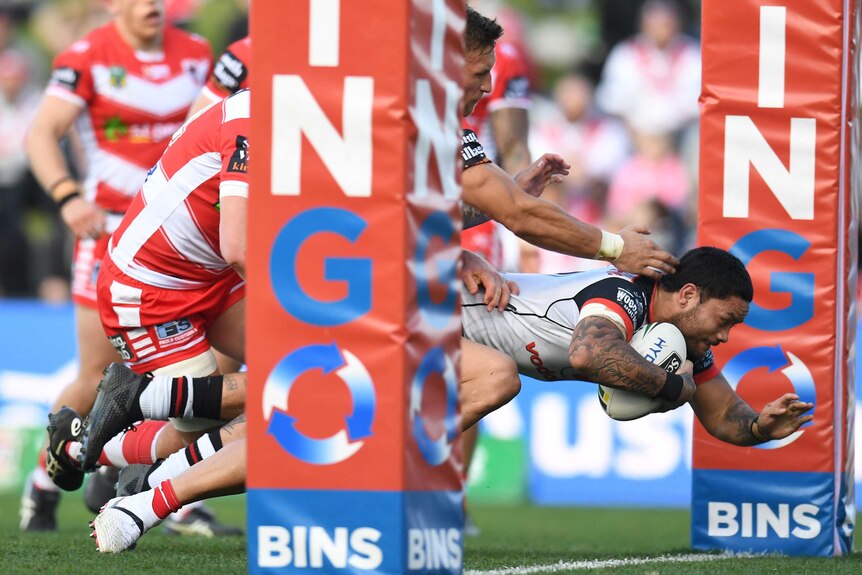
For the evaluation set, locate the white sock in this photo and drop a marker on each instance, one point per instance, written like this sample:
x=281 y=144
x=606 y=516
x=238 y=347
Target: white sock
x=113 y=450
x=155 y=400
x=42 y=480
x=73 y=450
x=178 y=462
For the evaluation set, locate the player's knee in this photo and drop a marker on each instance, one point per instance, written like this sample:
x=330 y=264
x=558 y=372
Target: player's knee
x=504 y=384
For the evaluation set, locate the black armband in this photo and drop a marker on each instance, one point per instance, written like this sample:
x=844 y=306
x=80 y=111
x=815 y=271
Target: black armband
x=673 y=384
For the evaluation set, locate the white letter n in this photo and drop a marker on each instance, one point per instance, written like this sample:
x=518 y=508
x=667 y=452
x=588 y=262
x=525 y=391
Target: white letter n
x=295 y=112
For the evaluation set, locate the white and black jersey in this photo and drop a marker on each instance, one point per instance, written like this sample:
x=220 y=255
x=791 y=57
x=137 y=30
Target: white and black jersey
x=536 y=327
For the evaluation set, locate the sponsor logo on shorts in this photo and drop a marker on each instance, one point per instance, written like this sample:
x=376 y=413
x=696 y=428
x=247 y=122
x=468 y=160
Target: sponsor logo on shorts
x=537 y=361
x=175 y=332
x=122 y=347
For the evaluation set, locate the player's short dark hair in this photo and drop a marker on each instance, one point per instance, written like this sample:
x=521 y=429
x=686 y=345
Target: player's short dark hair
x=716 y=273
x=481 y=33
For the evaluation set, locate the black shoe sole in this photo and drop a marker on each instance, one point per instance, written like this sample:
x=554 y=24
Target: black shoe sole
x=111 y=413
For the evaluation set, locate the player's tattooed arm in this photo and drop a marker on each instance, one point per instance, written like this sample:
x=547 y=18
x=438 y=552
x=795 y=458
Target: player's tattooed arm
x=737 y=428
x=729 y=418
x=235 y=429
x=599 y=353
x=472 y=216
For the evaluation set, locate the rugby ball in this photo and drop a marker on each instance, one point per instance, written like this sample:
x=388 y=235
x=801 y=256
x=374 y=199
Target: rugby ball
x=659 y=343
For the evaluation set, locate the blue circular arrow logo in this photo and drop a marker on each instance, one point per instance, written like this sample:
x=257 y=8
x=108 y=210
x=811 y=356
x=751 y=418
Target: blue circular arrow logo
x=282 y=426
x=774 y=358
x=435 y=452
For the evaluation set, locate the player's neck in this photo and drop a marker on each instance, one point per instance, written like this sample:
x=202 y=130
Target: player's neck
x=661 y=306
x=138 y=44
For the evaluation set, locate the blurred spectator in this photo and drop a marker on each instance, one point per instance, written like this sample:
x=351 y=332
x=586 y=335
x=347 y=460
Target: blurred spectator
x=60 y=23
x=652 y=81
x=652 y=188
x=18 y=103
x=618 y=19
x=595 y=145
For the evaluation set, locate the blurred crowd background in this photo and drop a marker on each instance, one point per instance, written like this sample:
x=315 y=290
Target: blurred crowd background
x=614 y=87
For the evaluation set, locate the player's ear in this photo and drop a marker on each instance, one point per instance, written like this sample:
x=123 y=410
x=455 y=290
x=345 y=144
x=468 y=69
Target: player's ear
x=688 y=296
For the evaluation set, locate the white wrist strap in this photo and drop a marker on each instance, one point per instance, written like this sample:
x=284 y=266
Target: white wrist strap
x=611 y=248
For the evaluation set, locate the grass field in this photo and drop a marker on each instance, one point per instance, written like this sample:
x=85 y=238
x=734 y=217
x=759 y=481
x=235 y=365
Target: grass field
x=514 y=541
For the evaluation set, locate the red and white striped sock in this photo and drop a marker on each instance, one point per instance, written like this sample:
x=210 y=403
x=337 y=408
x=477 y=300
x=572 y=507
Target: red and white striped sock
x=137 y=445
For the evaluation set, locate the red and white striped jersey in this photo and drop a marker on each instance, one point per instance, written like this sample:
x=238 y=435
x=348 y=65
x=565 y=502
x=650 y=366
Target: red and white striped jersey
x=230 y=73
x=169 y=238
x=132 y=102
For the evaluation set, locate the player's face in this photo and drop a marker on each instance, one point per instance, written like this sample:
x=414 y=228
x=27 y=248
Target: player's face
x=477 y=77
x=142 y=20
x=708 y=323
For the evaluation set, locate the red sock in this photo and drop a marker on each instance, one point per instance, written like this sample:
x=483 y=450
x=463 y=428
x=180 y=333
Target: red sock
x=165 y=499
x=138 y=444
x=133 y=446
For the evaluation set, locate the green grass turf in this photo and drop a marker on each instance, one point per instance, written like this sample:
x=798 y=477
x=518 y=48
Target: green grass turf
x=70 y=551
x=519 y=536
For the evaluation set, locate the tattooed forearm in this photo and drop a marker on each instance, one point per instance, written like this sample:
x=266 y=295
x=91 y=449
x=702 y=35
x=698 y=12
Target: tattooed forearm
x=600 y=354
x=737 y=424
x=235 y=426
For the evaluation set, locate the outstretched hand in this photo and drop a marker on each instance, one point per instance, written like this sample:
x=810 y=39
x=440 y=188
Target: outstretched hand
x=547 y=170
x=476 y=272
x=783 y=416
x=643 y=256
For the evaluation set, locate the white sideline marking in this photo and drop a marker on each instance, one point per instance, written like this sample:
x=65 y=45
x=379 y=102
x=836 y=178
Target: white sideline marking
x=602 y=564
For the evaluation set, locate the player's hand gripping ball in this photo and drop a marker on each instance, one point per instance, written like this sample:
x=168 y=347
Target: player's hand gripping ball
x=659 y=343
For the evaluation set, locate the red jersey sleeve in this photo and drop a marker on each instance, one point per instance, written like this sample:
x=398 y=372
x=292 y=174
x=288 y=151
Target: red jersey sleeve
x=230 y=73
x=71 y=76
x=235 y=156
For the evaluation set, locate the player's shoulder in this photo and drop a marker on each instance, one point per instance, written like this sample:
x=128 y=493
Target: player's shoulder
x=237 y=106
x=178 y=38
x=94 y=41
x=241 y=48
x=631 y=291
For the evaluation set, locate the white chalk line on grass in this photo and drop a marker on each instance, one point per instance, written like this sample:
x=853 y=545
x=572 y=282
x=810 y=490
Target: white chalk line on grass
x=601 y=564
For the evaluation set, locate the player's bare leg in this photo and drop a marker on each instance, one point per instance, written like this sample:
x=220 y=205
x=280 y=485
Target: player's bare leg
x=125 y=519
x=489 y=380
x=41 y=495
x=136 y=478
x=126 y=397
x=227 y=333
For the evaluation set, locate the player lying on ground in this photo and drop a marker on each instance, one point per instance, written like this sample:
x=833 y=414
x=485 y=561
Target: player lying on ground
x=576 y=327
